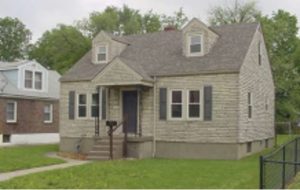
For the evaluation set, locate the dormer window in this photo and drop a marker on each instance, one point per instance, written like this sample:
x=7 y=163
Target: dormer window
x=195 y=44
x=102 y=54
x=33 y=80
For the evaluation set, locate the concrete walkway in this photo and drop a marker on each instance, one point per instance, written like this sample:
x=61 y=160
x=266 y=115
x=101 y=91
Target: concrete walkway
x=69 y=163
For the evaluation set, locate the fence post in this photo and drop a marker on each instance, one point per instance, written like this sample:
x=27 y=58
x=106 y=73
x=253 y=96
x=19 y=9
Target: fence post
x=283 y=167
x=296 y=155
x=261 y=172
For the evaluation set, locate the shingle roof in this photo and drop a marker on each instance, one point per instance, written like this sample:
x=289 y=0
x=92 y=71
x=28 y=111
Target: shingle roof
x=160 y=54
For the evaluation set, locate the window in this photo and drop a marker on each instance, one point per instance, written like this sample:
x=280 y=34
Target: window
x=176 y=104
x=6 y=139
x=48 y=113
x=266 y=103
x=33 y=80
x=249 y=147
x=102 y=54
x=194 y=104
x=195 y=44
x=249 y=105
x=95 y=105
x=38 y=80
x=28 y=79
x=267 y=143
x=82 y=105
x=259 y=53
x=11 y=112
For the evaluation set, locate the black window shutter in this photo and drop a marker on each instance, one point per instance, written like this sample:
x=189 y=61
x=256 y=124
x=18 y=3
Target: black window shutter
x=162 y=103
x=72 y=105
x=103 y=108
x=207 y=103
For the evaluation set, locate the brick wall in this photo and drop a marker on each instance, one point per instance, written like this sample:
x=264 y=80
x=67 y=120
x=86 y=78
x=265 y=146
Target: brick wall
x=29 y=117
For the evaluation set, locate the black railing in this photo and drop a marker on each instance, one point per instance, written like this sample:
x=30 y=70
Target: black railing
x=279 y=167
x=113 y=126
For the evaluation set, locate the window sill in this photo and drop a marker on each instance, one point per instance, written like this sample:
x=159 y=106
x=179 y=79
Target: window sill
x=11 y=122
x=48 y=122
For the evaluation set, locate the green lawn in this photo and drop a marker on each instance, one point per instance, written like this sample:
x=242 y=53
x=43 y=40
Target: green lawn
x=149 y=173
x=21 y=157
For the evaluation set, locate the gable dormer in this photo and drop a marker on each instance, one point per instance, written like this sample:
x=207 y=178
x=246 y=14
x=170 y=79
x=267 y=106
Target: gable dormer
x=197 y=38
x=106 y=47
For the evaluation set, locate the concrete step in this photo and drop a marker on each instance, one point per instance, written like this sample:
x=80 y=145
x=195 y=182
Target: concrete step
x=92 y=157
x=105 y=147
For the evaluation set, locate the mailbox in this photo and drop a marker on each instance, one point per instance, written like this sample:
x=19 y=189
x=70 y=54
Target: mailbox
x=111 y=123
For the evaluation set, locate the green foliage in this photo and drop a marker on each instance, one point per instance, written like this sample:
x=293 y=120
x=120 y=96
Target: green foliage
x=14 y=39
x=60 y=48
x=238 y=13
x=282 y=43
x=151 y=22
x=23 y=157
x=177 y=21
x=149 y=174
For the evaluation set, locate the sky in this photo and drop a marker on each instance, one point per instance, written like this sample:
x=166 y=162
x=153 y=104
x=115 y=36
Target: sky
x=42 y=15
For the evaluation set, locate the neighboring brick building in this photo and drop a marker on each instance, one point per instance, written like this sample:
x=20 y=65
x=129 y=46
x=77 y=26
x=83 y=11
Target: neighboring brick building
x=201 y=92
x=29 y=103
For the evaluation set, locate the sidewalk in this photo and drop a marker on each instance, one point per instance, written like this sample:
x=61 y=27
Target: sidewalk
x=69 y=163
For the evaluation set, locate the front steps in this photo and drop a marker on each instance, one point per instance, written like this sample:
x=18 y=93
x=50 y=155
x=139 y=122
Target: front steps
x=101 y=149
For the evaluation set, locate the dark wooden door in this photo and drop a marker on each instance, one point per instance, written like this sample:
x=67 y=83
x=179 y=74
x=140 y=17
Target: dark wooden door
x=130 y=110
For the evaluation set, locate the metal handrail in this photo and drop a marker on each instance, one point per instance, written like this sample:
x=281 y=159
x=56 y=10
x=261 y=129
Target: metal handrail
x=110 y=134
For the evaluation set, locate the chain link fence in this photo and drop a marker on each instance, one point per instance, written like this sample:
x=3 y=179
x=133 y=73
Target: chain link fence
x=279 y=167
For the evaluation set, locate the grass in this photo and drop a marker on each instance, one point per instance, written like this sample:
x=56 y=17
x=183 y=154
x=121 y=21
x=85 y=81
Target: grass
x=149 y=173
x=23 y=157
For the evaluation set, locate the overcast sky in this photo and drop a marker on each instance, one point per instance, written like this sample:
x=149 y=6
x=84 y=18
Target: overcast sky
x=42 y=15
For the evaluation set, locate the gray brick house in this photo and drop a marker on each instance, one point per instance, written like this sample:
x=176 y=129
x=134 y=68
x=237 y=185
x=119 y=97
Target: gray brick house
x=199 y=92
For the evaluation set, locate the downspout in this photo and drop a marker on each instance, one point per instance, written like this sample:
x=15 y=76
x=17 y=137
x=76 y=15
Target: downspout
x=154 y=118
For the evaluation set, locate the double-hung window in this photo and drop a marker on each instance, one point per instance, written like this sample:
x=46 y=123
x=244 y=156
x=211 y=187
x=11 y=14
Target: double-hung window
x=38 y=80
x=250 y=107
x=33 y=80
x=102 y=54
x=194 y=108
x=176 y=104
x=95 y=105
x=11 y=112
x=195 y=44
x=82 y=105
x=48 y=113
x=28 y=79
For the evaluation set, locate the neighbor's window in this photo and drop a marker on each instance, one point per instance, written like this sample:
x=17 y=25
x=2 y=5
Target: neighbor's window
x=11 y=112
x=6 y=138
x=33 y=80
x=194 y=104
x=28 y=79
x=195 y=44
x=82 y=105
x=48 y=113
x=102 y=54
x=249 y=105
x=176 y=104
x=38 y=80
x=95 y=105
x=249 y=147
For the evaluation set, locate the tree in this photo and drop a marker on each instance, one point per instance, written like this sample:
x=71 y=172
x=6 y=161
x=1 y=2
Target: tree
x=238 y=13
x=151 y=22
x=108 y=20
x=14 y=39
x=280 y=32
x=113 y=20
x=60 y=48
x=177 y=21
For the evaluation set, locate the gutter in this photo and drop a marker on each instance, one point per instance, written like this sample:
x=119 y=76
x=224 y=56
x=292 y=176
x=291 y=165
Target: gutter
x=154 y=117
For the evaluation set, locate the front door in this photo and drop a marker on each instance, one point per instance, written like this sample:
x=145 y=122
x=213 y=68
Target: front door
x=130 y=111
